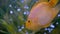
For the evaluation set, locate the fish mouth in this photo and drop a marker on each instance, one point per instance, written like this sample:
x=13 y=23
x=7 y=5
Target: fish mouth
x=26 y=25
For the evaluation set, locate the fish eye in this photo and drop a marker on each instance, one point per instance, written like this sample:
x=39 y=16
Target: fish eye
x=28 y=21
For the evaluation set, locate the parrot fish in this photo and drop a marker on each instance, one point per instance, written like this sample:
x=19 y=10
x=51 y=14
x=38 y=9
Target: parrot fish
x=41 y=15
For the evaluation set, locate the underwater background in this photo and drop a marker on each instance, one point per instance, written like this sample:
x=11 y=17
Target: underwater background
x=13 y=15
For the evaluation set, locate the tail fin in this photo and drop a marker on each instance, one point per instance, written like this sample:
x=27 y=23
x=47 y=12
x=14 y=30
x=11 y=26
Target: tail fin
x=53 y=3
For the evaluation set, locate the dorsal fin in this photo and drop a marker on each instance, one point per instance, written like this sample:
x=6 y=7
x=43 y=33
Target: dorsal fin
x=53 y=3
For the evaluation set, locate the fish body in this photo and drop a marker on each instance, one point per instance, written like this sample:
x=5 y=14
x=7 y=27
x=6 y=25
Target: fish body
x=41 y=16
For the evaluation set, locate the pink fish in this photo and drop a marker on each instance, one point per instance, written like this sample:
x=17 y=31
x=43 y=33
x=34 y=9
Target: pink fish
x=41 y=15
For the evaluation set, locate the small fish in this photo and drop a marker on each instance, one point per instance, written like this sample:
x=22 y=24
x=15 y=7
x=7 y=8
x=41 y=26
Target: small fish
x=41 y=15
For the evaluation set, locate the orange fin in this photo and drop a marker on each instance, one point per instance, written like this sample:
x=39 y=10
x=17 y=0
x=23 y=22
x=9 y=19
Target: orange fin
x=53 y=3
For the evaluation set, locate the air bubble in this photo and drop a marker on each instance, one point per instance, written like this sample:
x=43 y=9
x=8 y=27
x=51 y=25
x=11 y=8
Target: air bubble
x=11 y=12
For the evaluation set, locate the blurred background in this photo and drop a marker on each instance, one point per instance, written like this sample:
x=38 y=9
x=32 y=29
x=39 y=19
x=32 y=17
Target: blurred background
x=13 y=14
